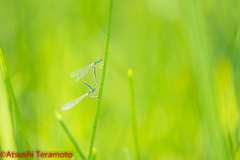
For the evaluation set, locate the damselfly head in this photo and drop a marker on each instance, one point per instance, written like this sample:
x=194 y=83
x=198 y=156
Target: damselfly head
x=98 y=62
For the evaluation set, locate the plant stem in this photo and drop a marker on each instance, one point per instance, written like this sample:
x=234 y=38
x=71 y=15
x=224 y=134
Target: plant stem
x=102 y=82
x=133 y=114
x=59 y=118
x=94 y=153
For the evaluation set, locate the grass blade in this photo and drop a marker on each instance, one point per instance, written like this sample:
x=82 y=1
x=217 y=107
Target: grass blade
x=59 y=118
x=94 y=154
x=19 y=127
x=133 y=114
x=201 y=55
x=102 y=81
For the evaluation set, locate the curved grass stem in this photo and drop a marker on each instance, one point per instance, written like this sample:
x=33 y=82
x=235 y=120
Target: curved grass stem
x=102 y=82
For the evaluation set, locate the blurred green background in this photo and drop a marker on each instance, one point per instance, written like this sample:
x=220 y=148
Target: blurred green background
x=185 y=60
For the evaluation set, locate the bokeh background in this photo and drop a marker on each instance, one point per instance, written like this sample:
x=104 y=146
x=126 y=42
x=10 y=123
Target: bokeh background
x=185 y=60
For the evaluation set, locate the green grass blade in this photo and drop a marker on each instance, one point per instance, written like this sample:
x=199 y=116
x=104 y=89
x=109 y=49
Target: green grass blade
x=59 y=118
x=201 y=55
x=102 y=82
x=19 y=127
x=94 y=153
x=10 y=93
x=133 y=114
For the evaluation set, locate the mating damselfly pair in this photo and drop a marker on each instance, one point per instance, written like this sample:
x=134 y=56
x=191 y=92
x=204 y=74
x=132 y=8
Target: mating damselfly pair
x=81 y=73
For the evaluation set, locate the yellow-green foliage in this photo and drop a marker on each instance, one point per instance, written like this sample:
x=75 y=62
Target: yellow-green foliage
x=185 y=60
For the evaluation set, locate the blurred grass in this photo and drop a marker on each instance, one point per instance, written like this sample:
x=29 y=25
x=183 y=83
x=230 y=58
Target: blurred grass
x=17 y=122
x=60 y=120
x=183 y=74
x=202 y=70
x=6 y=129
x=133 y=114
x=94 y=154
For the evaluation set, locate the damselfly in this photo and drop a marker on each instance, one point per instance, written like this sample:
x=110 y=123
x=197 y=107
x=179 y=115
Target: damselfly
x=80 y=73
